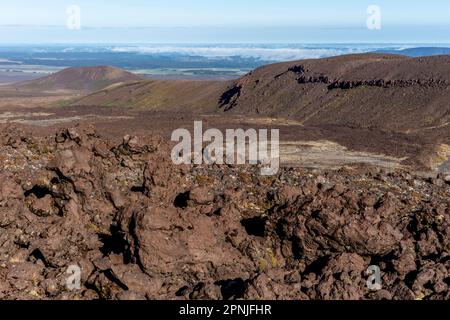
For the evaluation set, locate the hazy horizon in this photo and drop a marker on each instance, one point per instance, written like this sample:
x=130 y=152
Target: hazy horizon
x=201 y=21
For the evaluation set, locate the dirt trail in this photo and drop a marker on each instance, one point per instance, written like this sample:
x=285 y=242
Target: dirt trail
x=330 y=155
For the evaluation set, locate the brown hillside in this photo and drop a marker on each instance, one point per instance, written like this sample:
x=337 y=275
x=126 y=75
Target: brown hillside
x=171 y=95
x=80 y=79
x=370 y=90
x=367 y=90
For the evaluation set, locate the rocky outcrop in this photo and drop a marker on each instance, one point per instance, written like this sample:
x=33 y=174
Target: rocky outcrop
x=229 y=97
x=345 y=85
x=306 y=77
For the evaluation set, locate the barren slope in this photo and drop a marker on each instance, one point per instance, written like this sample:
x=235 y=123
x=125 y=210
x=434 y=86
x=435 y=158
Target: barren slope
x=369 y=90
x=160 y=95
x=79 y=79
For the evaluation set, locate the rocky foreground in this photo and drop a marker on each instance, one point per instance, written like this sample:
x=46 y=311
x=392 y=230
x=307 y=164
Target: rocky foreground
x=140 y=227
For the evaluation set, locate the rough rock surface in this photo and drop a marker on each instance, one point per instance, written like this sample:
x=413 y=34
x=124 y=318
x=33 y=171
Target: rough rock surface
x=140 y=227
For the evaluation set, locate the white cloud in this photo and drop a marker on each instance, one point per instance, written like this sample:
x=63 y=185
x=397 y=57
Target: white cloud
x=267 y=53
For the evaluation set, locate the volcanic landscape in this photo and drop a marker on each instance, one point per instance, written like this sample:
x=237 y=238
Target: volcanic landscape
x=87 y=180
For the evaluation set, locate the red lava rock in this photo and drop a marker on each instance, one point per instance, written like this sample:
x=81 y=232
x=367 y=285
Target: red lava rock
x=288 y=194
x=201 y=196
x=140 y=227
x=130 y=296
x=43 y=207
x=9 y=189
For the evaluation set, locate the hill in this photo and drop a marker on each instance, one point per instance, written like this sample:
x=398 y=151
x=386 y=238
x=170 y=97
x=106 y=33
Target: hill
x=369 y=90
x=79 y=79
x=383 y=91
x=164 y=95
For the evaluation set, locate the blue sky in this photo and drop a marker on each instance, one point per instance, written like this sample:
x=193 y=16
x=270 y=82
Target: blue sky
x=224 y=21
